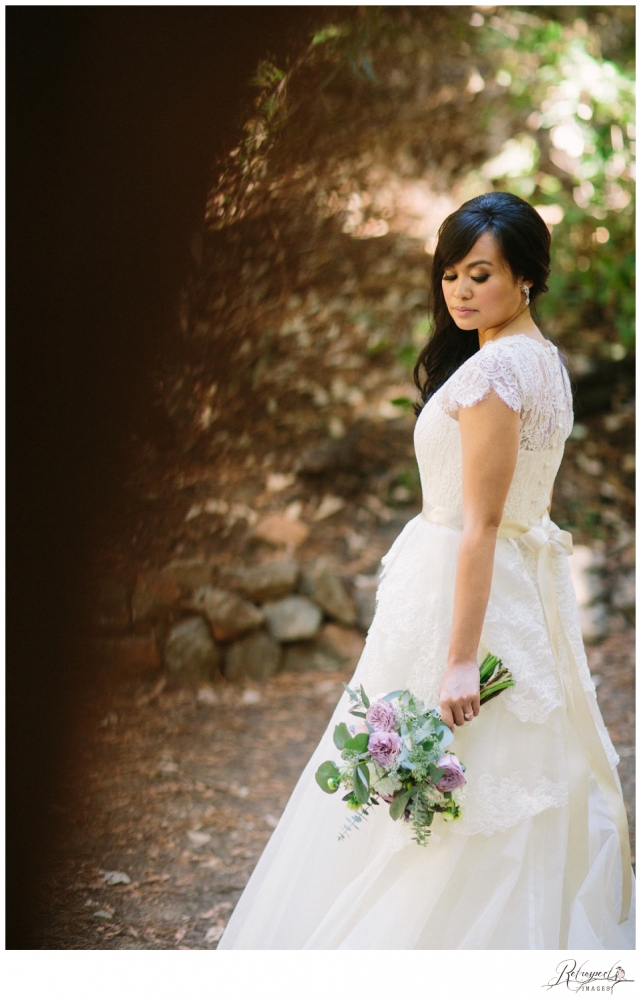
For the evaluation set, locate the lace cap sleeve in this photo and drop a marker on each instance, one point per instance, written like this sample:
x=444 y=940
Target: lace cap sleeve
x=487 y=369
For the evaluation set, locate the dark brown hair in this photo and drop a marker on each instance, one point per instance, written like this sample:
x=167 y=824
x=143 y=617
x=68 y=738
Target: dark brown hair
x=524 y=243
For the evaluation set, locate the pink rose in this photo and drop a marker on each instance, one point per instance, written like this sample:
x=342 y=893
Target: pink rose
x=381 y=716
x=453 y=777
x=384 y=747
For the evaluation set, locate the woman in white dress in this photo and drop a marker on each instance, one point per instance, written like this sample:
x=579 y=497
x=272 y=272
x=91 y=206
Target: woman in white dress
x=540 y=857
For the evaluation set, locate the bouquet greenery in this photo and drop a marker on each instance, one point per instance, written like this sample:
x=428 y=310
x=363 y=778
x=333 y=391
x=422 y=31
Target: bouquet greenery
x=398 y=754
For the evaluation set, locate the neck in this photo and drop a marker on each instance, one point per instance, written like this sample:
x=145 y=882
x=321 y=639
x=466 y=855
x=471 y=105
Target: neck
x=509 y=327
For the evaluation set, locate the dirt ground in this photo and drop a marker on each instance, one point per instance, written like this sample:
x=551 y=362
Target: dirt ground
x=182 y=795
x=177 y=793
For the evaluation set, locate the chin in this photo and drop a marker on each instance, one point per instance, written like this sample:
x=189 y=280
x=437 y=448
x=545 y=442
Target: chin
x=465 y=324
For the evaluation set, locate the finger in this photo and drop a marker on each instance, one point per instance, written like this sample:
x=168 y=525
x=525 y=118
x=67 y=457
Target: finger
x=476 y=705
x=457 y=712
x=446 y=716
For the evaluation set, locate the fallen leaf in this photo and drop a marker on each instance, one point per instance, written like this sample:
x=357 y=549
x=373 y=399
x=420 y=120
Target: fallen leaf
x=116 y=878
x=168 y=767
x=207 y=696
x=212 y=862
x=199 y=839
x=180 y=934
x=329 y=505
x=214 y=933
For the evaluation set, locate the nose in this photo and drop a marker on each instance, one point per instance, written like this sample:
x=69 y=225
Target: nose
x=463 y=288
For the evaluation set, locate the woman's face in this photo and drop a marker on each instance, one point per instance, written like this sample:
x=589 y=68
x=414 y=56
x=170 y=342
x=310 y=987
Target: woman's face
x=480 y=291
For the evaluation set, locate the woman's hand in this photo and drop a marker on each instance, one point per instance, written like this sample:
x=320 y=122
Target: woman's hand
x=459 y=694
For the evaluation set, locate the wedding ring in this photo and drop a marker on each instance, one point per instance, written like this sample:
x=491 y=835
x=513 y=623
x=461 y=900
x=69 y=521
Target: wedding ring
x=467 y=716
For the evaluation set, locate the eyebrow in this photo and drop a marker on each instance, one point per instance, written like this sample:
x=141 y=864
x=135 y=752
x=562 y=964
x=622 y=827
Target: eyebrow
x=474 y=263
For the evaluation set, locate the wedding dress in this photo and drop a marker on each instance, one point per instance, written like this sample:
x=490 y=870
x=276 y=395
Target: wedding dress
x=540 y=857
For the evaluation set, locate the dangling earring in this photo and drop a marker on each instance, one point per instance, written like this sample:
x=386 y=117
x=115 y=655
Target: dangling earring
x=524 y=288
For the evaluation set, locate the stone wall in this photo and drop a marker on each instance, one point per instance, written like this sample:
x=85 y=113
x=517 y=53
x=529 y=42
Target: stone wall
x=279 y=616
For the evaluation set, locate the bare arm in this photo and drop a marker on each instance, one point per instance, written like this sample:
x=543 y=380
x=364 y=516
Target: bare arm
x=490 y=444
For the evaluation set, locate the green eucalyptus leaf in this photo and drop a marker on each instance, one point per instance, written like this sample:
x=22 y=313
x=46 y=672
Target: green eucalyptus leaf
x=357 y=743
x=361 y=787
x=364 y=697
x=325 y=772
x=398 y=804
x=341 y=735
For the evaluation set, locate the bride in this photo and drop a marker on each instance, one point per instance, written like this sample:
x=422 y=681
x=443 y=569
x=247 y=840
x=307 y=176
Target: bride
x=540 y=857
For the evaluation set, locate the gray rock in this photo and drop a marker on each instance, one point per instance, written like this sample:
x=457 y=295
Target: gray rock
x=365 y=598
x=328 y=591
x=344 y=644
x=257 y=656
x=585 y=564
x=594 y=622
x=293 y=618
x=189 y=574
x=624 y=592
x=269 y=582
x=190 y=652
x=311 y=655
x=278 y=529
x=229 y=615
x=111 y=605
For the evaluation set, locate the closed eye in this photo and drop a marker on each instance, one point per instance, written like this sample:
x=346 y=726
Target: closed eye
x=480 y=279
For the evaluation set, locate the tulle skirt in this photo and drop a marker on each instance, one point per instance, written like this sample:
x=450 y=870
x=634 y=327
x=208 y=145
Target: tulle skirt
x=500 y=877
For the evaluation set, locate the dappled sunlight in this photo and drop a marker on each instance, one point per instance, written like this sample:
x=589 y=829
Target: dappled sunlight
x=286 y=466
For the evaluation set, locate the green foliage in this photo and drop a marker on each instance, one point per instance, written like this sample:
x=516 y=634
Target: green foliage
x=407 y=356
x=358 y=743
x=403 y=403
x=399 y=804
x=341 y=735
x=361 y=784
x=327 y=777
x=572 y=154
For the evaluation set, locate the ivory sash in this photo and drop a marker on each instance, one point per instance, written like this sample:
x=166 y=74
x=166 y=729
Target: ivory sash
x=546 y=540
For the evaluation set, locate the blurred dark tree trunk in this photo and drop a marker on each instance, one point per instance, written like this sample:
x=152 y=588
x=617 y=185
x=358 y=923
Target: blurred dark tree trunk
x=114 y=118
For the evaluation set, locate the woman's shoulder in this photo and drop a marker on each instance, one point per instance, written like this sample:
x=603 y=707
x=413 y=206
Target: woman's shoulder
x=514 y=367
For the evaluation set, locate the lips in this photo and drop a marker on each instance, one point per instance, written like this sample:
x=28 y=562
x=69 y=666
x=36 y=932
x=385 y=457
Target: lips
x=462 y=311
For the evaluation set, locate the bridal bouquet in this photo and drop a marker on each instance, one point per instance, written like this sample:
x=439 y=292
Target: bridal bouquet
x=398 y=754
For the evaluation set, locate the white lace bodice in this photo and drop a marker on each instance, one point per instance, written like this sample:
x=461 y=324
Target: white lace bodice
x=530 y=378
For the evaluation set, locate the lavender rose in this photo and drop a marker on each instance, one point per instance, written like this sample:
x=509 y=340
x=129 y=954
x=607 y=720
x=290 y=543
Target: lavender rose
x=384 y=747
x=381 y=716
x=453 y=777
